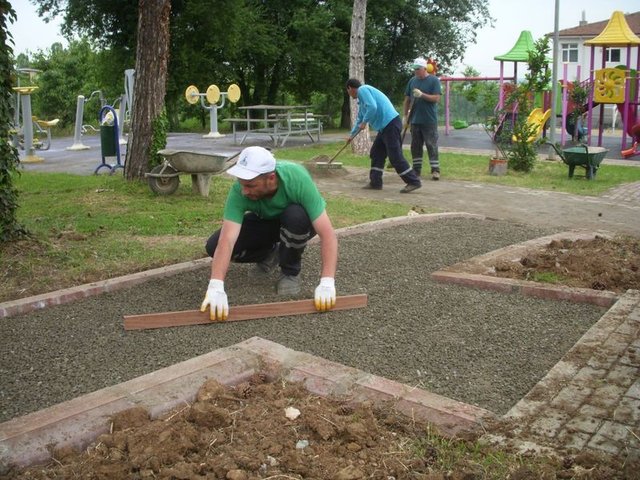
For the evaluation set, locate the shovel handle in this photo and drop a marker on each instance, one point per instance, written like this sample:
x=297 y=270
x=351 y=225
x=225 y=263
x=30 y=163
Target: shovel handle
x=406 y=125
x=343 y=147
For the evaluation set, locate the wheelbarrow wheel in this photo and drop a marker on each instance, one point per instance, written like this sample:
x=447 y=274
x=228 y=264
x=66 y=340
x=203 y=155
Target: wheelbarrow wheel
x=163 y=185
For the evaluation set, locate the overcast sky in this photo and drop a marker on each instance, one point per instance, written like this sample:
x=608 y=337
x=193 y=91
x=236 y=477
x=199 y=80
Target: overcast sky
x=512 y=16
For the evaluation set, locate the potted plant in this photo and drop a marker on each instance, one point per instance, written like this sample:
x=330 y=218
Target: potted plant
x=495 y=128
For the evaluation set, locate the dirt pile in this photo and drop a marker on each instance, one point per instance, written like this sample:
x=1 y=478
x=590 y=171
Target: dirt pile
x=252 y=432
x=599 y=264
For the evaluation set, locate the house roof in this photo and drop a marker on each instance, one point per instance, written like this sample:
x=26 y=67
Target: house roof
x=616 y=33
x=520 y=51
x=591 y=30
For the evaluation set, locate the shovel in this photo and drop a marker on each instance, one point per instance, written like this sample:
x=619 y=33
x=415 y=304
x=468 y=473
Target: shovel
x=408 y=122
x=329 y=164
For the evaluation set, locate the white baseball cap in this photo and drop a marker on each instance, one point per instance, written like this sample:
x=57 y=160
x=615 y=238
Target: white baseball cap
x=253 y=161
x=419 y=63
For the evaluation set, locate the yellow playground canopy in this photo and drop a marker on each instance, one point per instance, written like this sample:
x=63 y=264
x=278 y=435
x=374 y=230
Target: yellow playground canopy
x=617 y=33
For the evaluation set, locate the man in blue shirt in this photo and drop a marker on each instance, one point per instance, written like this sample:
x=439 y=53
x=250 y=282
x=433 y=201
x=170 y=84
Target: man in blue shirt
x=421 y=104
x=376 y=109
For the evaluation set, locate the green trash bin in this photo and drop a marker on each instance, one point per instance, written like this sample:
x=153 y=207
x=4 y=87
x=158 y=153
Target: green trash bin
x=108 y=140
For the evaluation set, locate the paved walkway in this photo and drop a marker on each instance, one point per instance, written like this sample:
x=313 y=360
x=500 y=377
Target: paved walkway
x=562 y=409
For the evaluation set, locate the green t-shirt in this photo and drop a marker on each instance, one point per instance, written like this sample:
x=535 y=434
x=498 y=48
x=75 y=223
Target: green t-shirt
x=294 y=186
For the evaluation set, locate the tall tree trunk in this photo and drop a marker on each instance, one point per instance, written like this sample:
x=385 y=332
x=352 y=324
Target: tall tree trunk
x=152 y=55
x=361 y=144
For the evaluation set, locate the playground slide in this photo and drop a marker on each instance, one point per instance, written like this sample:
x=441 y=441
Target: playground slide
x=633 y=129
x=537 y=118
x=633 y=119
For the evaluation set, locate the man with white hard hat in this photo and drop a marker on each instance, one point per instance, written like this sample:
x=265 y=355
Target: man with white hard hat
x=270 y=214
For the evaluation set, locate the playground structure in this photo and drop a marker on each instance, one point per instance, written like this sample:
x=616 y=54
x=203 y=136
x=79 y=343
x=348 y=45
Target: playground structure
x=617 y=85
x=125 y=103
x=518 y=53
x=212 y=95
x=29 y=133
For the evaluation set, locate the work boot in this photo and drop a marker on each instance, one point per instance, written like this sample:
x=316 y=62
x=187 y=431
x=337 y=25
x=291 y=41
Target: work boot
x=268 y=265
x=370 y=186
x=410 y=187
x=435 y=175
x=288 y=285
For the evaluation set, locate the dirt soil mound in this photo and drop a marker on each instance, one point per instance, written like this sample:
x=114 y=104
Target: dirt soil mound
x=599 y=264
x=260 y=430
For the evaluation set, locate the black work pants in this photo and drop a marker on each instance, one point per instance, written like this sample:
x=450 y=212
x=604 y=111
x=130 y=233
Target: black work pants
x=387 y=144
x=258 y=237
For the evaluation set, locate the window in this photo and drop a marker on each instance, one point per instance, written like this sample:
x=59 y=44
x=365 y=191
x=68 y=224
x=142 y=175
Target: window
x=569 y=52
x=613 y=55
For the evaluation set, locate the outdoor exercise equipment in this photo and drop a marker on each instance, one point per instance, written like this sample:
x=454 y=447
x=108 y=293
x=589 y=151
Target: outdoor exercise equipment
x=124 y=110
x=28 y=132
x=24 y=94
x=164 y=179
x=212 y=95
x=109 y=144
x=79 y=128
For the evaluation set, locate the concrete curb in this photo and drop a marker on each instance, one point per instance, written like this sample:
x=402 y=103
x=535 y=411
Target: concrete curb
x=76 y=423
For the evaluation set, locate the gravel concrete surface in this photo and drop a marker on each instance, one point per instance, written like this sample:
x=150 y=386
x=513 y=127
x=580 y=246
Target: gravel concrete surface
x=479 y=347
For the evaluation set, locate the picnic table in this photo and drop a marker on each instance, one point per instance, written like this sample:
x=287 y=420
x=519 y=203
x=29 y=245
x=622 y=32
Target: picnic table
x=278 y=122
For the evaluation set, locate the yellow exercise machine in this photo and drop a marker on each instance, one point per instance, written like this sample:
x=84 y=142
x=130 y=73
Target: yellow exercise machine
x=212 y=95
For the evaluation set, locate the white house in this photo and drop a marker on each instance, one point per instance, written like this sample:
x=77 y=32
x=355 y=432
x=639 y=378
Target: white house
x=575 y=53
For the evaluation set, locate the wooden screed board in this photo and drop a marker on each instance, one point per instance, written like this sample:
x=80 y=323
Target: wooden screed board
x=239 y=313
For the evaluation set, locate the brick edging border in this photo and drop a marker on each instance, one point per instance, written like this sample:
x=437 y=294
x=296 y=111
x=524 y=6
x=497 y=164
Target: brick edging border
x=475 y=273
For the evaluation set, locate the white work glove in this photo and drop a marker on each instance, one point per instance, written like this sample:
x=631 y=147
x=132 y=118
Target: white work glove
x=325 y=296
x=216 y=300
x=417 y=92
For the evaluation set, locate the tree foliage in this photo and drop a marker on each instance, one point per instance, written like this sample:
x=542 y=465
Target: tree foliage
x=278 y=50
x=10 y=229
x=521 y=152
x=482 y=94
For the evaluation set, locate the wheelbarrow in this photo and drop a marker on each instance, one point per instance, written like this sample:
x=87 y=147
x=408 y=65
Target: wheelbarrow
x=164 y=179
x=582 y=156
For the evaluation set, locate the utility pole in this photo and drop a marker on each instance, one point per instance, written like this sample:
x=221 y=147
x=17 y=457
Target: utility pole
x=554 y=82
